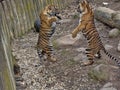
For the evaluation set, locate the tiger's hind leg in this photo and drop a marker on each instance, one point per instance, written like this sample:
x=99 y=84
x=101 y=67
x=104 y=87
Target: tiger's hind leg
x=90 y=56
x=41 y=53
x=98 y=55
x=50 y=56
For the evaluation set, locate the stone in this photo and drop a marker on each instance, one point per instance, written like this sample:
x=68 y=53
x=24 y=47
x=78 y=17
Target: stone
x=81 y=49
x=114 y=32
x=65 y=21
x=108 y=86
x=119 y=46
x=108 y=16
x=68 y=40
x=108 y=47
x=80 y=56
x=103 y=72
x=105 y=3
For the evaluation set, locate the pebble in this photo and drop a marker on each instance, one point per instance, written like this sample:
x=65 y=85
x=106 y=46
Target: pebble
x=81 y=49
x=108 y=86
x=114 y=32
x=108 y=47
x=119 y=46
x=80 y=56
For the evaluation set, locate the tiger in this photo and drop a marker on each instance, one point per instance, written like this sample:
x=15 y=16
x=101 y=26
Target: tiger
x=48 y=17
x=37 y=25
x=87 y=27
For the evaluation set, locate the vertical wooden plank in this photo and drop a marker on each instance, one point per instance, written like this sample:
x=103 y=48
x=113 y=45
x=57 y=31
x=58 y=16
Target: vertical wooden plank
x=20 y=11
x=14 y=19
x=5 y=52
x=38 y=8
x=5 y=26
x=35 y=8
x=28 y=4
x=32 y=10
x=27 y=16
x=42 y=3
x=17 y=10
x=7 y=18
x=21 y=17
x=11 y=17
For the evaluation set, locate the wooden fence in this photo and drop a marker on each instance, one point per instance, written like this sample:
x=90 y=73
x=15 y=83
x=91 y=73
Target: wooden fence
x=17 y=18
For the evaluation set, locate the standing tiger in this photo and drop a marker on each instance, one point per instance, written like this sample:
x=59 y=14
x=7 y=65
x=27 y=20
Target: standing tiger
x=87 y=27
x=48 y=17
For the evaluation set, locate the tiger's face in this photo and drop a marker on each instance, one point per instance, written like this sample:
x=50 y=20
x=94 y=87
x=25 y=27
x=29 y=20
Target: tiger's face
x=83 y=7
x=52 y=10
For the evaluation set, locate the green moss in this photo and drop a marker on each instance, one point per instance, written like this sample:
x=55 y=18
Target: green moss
x=97 y=76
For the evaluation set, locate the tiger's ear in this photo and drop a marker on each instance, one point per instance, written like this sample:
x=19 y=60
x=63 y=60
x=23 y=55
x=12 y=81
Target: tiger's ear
x=50 y=6
x=85 y=1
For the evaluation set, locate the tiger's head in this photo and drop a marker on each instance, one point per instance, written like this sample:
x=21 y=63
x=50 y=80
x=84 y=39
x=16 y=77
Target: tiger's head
x=52 y=10
x=84 y=7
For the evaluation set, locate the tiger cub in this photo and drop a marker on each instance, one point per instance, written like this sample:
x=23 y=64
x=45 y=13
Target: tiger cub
x=47 y=17
x=87 y=27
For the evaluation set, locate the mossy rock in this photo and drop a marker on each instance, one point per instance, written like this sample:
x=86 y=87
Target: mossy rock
x=102 y=72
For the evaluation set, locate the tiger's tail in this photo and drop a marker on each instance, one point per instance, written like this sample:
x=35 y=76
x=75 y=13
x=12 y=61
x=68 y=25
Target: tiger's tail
x=112 y=57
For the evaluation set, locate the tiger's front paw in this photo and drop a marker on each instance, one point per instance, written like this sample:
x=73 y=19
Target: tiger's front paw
x=74 y=34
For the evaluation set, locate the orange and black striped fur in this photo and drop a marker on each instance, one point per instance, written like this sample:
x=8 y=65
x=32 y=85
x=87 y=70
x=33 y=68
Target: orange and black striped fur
x=87 y=27
x=44 y=46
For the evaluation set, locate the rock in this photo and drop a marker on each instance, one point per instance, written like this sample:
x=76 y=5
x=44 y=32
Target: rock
x=103 y=72
x=79 y=57
x=108 y=47
x=114 y=32
x=108 y=16
x=65 y=21
x=108 y=86
x=82 y=49
x=105 y=3
x=68 y=40
x=118 y=46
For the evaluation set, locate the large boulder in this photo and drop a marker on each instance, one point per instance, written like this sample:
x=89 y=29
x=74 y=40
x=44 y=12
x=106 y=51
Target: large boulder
x=108 y=16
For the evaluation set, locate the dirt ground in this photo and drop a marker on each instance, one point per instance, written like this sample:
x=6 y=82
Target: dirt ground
x=66 y=73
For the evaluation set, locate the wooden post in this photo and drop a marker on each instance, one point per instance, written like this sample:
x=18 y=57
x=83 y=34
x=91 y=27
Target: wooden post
x=6 y=71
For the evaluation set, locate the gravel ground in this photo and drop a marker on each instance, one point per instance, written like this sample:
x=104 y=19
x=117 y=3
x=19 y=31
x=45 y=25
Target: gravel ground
x=66 y=73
